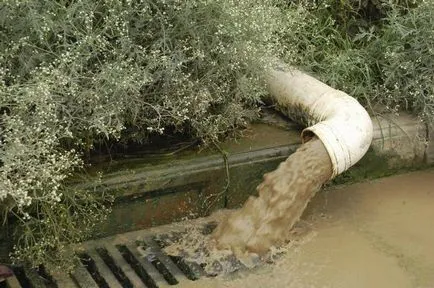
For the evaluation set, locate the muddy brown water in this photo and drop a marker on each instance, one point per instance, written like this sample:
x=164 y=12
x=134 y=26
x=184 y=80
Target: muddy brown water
x=265 y=221
x=373 y=234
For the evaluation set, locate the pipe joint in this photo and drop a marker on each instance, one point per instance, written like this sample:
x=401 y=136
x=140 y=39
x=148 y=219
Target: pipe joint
x=337 y=119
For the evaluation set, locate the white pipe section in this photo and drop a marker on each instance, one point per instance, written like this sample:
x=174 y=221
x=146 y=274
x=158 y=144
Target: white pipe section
x=338 y=120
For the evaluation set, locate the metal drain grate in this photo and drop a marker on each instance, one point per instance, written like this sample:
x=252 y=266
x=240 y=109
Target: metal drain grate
x=31 y=279
x=138 y=264
x=132 y=260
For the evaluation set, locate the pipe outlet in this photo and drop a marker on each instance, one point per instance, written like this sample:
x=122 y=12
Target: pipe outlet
x=337 y=119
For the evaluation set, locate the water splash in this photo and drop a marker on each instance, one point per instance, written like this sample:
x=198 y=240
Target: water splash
x=266 y=221
x=247 y=236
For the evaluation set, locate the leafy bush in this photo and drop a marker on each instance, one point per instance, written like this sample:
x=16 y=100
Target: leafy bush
x=387 y=64
x=406 y=49
x=73 y=73
x=321 y=47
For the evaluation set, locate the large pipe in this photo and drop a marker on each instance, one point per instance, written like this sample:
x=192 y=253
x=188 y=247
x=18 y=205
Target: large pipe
x=338 y=120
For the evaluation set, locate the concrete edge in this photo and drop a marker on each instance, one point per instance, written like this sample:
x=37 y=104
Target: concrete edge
x=193 y=188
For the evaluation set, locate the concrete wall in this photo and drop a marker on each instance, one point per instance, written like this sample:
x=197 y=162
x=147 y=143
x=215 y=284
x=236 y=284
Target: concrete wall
x=402 y=136
x=194 y=184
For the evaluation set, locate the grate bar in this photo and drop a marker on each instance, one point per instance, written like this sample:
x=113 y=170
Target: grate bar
x=12 y=282
x=64 y=281
x=125 y=267
x=21 y=276
x=192 y=270
x=82 y=277
x=153 y=249
x=104 y=270
x=150 y=269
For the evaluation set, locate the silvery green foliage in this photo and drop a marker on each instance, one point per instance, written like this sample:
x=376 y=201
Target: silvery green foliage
x=387 y=65
x=407 y=62
x=75 y=72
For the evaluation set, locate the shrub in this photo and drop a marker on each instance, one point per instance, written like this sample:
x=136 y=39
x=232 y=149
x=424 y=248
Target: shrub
x=73 y=73
x=323 y=49
x=387 y=63
x=405 y=48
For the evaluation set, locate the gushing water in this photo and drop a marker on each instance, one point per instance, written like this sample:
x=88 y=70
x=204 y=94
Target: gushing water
x=265 y=221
